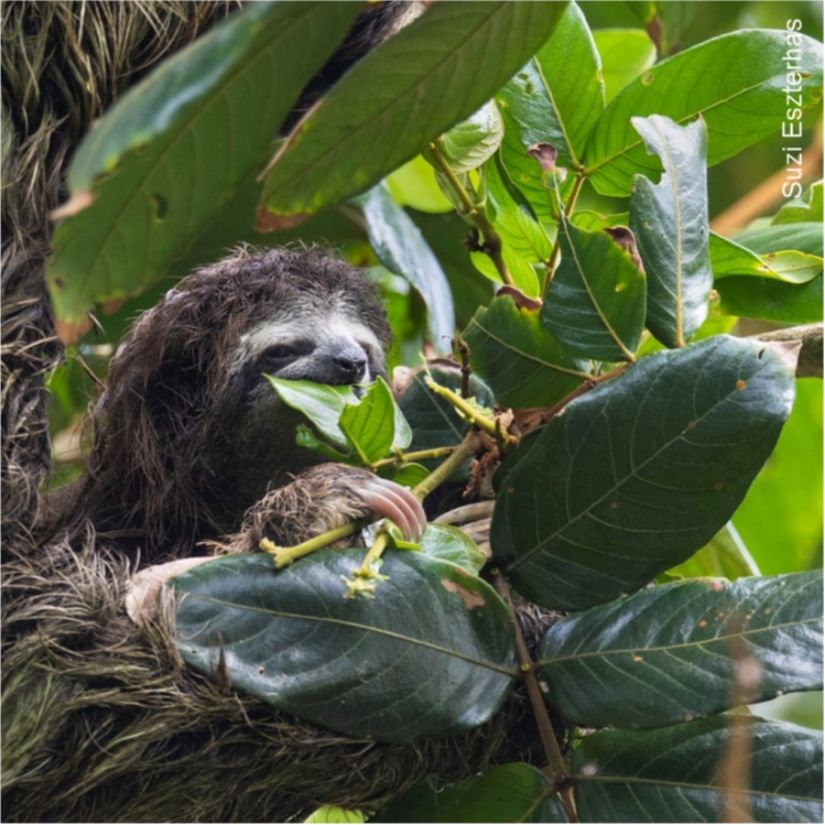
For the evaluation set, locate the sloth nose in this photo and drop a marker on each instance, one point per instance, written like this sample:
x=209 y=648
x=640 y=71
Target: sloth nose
x=349 y=365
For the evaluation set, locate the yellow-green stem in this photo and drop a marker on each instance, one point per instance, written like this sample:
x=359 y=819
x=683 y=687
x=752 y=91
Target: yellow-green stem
x=466 y=409
x=440 y=474
x=564 y=214
x=415 y=455
x=282 y=556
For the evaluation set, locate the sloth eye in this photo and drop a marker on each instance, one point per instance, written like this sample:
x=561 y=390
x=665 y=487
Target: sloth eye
x=284 y=352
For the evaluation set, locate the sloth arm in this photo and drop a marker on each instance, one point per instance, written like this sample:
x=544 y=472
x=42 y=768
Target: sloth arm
x=319 y=499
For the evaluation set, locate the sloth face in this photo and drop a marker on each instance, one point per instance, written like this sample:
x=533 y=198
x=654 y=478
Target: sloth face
x=332 y=350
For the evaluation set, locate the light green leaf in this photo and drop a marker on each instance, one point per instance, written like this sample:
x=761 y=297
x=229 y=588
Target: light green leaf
x=469 y=143
x=672 y=774
x=640 y=472
x=728 y=257
x=807 y=210
x=414 y=184
x=803 y=236
x=374 y=425
x=596 y=303
x=668 y=653
x=405 y=93
x=176 y=147
x=625 y=54
x=670 y=221
x=521 y=360
x=725 y=556
x=442 y=541
x=380 y=667
x=735 y=82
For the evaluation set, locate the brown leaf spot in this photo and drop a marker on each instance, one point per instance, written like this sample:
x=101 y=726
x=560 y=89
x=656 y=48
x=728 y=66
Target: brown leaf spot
x=70 y=333
x=703 y=623
x=625 y=238
x=471 y=600
x=718 y=486
x=76 y=203
x=740 y=385
x=716 y=586
x=691 y=424
x=266 y=221
x=638 y=658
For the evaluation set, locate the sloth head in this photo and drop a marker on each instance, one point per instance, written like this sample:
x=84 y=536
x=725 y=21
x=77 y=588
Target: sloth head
x=188 y=434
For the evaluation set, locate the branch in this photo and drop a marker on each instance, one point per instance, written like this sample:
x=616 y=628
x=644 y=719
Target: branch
x=809 y=363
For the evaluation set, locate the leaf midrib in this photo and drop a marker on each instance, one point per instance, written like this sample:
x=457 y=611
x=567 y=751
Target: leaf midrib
x=664 y=648
x=283 y=614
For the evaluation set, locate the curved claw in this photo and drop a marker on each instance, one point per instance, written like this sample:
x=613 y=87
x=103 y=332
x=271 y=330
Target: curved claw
x=398 y=504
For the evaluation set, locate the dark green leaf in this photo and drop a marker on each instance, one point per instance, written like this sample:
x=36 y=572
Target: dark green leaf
x=320 y=403
x=380 y=667
x=442 y=541
x=735 y=82
x=523 y=363
x=596 y=303
x=667 y=653
x=670 y=221
x=412 y=88
x=374 y=425
x=771 y=300
x=469 y=143
x=549 y=102
x=510 y=793
x=176 y=147
x=728 y=257
x=640 y=472
x=401 y=247
x=671 y=774
x=625 y=54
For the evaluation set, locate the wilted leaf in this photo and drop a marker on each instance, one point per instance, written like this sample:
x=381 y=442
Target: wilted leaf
x=668 y=653
x=380 y=667
x=671 y=774
x=640 y=472
x=670 y=221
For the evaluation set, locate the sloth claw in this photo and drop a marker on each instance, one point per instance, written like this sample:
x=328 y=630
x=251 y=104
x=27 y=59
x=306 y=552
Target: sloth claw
x=398 y=504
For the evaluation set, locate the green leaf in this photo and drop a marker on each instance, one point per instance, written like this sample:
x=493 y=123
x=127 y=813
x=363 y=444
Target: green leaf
x=509 y=793
x=799 y=211
x=771 y=300
x=596 y=303
x=672 y=774
x=736 y=82
x=667 y=653
x=625 y=54
x=670 y=221
x=469 y=143
x=414 y=184
x=730 y=258
x=374 y=425
x=320 y=403
x=442 y=541
x=405 y=93
x=803 y=236
x=165 y=158
x=547 y=101
x=401 y=247
x=640 y=472
x=410 y=475
x=380 y=667
x=327 y=814
x=521 y=360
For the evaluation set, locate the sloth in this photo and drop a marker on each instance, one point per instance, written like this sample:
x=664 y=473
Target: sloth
x=191 y=445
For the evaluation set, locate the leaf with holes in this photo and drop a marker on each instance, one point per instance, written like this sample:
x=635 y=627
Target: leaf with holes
x=380 y=667
x=640 y=472
x=668 y=653
x=432 y=74
x=735 y=82
x=520 y=359
x=670 y=221
x=401 y=247
x=596 y=302
x=672 y=774
x=176 y=147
